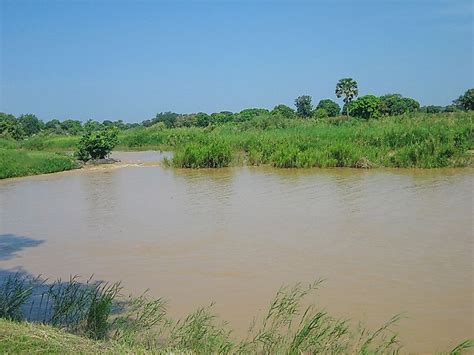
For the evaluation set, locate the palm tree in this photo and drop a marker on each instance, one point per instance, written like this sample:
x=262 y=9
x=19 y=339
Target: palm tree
x=347 y=87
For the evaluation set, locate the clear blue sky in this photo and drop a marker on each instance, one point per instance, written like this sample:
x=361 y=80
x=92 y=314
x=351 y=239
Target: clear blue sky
x=131 y=59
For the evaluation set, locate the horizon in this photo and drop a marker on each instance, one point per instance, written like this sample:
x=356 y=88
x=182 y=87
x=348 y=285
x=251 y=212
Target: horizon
x=130 y=60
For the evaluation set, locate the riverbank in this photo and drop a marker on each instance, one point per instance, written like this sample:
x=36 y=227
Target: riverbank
x=19 y=162
x=410 y=141
x=104 y=321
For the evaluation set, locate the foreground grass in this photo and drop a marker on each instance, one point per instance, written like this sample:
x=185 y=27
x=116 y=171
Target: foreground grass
x=103 y=321
x=27 y=338
x=14 y=163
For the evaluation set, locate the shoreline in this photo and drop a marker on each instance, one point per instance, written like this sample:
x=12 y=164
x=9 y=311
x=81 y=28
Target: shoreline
x=264 y=167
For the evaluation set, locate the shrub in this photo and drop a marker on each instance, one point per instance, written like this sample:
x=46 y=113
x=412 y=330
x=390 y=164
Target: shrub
x=97 y=144
x=250 y=113
x=284 y=111
x=365 y=107
x=320 y=113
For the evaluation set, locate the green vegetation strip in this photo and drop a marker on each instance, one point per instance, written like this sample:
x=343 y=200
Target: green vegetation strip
x=15 y=163
x=414 y=140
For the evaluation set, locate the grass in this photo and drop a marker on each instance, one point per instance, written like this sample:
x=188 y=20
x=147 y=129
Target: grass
x=27 y=338
x=140 y=325
x=411 y=141
x=17 y=162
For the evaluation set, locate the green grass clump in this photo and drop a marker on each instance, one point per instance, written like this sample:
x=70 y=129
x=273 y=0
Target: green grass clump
x=15 y=163
x=212 y=155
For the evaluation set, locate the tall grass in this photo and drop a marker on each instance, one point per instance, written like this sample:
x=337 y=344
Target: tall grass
x=212 y=155
x=414 y=140
x=97 y=310
x=51 y=143
x=419 y=140
x=14 y=293
x=21 y=162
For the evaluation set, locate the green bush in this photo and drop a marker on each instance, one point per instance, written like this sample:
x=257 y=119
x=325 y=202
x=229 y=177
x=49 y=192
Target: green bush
x=331 y=107
x=366 y=107
x=97 y=144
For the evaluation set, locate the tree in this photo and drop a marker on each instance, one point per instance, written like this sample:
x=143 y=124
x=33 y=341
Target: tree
x=451 y=108
x=30 y=123
x=432 y=109
x=304 y=108
x=203 y=119
x=10 y=126
x=365 y=107
x=53 y=126
x=97 y=144
x=185 y=120
x=466 y=101
x=347 y=88
x=249 y=113
x=283 y=111
x=92 y=125
x=332 y=108
x=168 y=118
x=74 y=127
x=396 y=104
x=222 y=117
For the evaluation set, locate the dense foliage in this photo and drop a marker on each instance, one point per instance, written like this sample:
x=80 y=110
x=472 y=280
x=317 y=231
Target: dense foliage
x=332 y=108
x=365 y=107
x=466 y=101
x=304 y=108
x=97 y=144
x=283 y=111
x=396 y=104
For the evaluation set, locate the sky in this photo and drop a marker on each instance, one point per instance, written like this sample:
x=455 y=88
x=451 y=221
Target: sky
x=129 y=60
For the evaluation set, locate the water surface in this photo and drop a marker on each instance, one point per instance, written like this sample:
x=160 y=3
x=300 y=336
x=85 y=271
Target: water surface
x=386 y=241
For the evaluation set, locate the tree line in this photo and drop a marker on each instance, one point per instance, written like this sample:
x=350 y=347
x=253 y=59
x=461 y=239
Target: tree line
x=364 y=107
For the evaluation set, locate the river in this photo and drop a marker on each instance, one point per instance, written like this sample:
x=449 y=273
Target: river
x=385 y=241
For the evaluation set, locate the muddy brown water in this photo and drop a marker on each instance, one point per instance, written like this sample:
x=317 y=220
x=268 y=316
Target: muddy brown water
x=386 y=241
